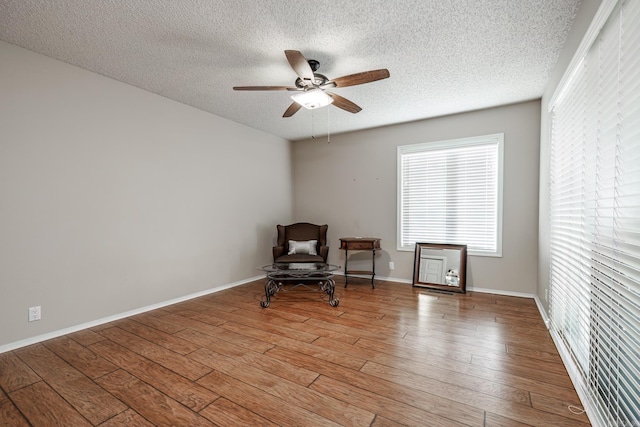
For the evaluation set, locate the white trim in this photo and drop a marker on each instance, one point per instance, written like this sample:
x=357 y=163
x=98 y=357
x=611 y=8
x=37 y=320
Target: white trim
x=500 y=292
x=570 y=366
x=605 y=9
x=576 y=379
x=543 y=313
x=462 y=142
x=76 y=328
x=382 y=278
x=469 y=289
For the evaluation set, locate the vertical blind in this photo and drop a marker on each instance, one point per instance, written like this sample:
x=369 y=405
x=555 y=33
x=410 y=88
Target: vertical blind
x=450 y=192
x=595 y=219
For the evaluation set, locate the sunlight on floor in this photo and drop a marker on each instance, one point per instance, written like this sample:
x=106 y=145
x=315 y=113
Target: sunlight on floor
x=425 y=301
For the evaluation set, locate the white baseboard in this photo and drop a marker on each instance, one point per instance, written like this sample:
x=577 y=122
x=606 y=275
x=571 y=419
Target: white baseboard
x=576 y=379
x=543 y=313
x=469 y=289
x=383 y=278
x=570 y=366
x=500 y=292
x=76 y=328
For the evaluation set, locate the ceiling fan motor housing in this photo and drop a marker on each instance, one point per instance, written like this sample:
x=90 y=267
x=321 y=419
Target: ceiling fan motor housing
x=318 y=80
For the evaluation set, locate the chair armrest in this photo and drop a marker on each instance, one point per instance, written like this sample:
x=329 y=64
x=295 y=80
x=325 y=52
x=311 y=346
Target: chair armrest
x=278 y=251
x=324 y=252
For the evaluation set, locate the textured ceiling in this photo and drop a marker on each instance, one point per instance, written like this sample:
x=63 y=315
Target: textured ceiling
x=444 y=56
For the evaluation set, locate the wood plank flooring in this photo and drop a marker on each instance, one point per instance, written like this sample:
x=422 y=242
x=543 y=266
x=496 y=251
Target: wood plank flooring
x=390 y=356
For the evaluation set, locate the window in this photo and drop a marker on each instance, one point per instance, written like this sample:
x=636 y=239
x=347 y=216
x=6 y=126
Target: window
x=594 y=217
x=451 y=192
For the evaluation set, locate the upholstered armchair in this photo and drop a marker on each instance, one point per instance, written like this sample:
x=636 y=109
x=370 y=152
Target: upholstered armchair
x=301 y=242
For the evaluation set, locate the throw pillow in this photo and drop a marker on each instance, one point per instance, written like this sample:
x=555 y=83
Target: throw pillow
x=307 y=247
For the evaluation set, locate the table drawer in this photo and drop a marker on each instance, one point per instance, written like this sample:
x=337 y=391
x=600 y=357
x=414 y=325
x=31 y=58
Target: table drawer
x=366 y=244
x=359 y=245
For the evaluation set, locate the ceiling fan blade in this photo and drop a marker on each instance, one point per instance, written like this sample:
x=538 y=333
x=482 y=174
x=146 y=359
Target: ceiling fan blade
x=265 y=88
x=344 y=103
x=361 y=78
x=300 y=66
x=293 y=108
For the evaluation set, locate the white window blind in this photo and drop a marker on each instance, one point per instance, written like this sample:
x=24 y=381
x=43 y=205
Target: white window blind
x=595 y=220
x=451 y=192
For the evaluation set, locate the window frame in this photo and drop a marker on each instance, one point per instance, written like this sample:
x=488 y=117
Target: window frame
x=497 y=139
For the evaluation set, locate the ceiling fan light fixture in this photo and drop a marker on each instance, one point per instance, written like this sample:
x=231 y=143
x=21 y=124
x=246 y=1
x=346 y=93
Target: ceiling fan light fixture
x=313 y=98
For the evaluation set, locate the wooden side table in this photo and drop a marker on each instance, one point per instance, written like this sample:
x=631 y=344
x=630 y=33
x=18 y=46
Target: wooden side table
x=359 y=244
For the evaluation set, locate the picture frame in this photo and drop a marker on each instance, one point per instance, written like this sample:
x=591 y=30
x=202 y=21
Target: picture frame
x=440 y=266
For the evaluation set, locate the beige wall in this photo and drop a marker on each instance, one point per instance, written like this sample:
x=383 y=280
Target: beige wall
x=350 y=184
x=587 y=11
x=112 y=198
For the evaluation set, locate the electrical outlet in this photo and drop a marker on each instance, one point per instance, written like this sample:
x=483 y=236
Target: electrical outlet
x=391 y=265
x=34 y=313
x=546 y=295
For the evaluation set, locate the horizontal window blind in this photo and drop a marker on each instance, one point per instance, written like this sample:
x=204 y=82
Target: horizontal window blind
x=450 y=192
x=595 y=219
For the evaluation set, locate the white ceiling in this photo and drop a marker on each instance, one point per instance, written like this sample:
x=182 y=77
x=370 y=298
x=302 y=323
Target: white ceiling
x=444 y=56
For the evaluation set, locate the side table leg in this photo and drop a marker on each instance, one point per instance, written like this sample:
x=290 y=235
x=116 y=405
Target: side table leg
x=346 y=266
x=373 y=268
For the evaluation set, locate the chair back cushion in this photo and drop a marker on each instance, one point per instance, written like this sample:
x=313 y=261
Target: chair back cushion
x=300 y=232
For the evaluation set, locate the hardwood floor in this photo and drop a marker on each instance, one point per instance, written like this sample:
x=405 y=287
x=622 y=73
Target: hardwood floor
x=390 y=356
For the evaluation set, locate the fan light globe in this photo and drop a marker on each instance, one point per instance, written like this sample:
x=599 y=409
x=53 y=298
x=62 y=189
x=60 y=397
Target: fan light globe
x=314 y=98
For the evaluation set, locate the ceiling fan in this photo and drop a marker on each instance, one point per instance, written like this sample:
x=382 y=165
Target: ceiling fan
x=312 y=87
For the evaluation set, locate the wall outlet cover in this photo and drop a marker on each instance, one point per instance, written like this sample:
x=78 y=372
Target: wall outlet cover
x=34 y=313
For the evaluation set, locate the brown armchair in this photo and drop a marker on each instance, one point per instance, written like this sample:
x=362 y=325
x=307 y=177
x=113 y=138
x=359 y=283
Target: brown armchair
x=301 y=250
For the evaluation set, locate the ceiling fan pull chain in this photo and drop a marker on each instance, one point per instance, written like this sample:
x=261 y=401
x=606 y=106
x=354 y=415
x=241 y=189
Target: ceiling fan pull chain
x=313 y=120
